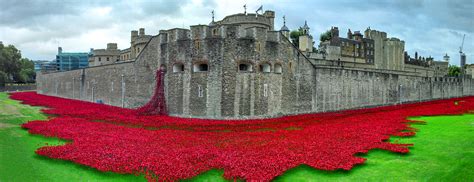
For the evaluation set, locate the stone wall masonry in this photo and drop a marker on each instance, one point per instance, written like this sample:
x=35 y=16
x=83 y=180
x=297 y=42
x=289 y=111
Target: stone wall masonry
x=128 y=84
x=225 y=92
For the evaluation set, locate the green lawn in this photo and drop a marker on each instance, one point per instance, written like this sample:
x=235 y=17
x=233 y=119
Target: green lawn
x=443 y=151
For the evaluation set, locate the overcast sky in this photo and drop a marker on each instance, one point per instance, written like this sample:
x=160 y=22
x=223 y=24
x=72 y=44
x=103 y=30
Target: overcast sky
x=431 y=27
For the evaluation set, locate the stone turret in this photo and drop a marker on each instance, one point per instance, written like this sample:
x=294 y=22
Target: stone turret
x=306 y=40
x=112 y=46
x=250 y=20
x=349 y=34
x=271 y=17
x=138 y=41
x=133 y=35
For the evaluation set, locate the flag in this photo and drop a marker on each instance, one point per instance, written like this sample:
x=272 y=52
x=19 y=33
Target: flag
x=259 y=9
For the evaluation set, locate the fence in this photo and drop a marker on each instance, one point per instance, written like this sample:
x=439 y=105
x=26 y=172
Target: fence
x=17 y=87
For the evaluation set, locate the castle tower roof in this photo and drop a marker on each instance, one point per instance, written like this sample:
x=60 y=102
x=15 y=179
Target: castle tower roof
x=212 y=22
x=306 y=25
x=284 y=28
x=305 y=28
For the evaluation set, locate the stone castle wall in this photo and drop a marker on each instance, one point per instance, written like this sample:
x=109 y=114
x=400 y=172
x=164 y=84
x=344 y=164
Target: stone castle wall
x=225 y=92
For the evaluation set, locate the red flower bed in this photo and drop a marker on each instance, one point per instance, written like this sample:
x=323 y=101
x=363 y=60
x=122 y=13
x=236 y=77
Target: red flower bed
x=168 y=148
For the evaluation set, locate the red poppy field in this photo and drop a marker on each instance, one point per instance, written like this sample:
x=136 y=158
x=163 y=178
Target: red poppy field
x=168 y=148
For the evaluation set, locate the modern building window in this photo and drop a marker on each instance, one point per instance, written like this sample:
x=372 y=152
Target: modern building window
x=200 y=67
x=245 y=67
x=265 y=68
x=178 y=67
x=278 y=68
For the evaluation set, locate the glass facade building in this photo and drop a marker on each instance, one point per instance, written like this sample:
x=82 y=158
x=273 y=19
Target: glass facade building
x=45 y=66
x=66 y=61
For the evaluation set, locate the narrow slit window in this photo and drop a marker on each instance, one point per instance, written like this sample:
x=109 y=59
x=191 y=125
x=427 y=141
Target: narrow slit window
x=265 y=90
x=200 y=91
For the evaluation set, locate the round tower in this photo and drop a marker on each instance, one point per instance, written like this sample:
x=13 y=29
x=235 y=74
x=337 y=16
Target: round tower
x=284 y=30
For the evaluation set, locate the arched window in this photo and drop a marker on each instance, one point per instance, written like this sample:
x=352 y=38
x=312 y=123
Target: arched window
x=265 y=68
x=200 y=67
x=178 y=67
x=245 y=67
x=214 y=32
x=278 y=68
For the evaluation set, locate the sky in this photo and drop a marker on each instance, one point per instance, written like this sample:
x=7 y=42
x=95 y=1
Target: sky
x=38 y=27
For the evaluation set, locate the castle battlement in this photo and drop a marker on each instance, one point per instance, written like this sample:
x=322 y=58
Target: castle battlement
x=240 y=67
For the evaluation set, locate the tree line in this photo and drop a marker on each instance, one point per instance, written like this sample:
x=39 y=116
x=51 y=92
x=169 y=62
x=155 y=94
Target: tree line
x=14 y=68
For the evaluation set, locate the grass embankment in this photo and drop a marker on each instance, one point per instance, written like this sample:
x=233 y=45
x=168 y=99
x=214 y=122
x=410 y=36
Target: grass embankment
x=18 y=161
x=443 y=151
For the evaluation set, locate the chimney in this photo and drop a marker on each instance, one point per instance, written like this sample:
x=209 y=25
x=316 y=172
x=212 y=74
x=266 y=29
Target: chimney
x=142 y=31
x=335 y=32
x=60 y=50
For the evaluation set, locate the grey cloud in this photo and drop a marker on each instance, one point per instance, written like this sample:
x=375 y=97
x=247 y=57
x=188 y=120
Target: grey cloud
x=21 y=13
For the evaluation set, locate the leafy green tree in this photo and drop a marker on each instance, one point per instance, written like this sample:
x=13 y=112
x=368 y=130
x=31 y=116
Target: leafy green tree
x=325 y=36
x=294 y=36
x=3 y=78
x=27 y=72
x=454 y=70
x=14 y=68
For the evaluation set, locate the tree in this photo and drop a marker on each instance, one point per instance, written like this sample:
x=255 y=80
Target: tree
x=13 y=68
x=294 y=36
x=454 y=70
x=3 y=78
x=27 y=72
x=10 y=61
x=325 y=36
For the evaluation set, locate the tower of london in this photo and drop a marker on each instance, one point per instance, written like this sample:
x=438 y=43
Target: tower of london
x=242 y=67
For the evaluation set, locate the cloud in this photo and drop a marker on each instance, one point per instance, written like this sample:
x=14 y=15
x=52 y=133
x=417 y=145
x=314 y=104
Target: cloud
x=433 y=27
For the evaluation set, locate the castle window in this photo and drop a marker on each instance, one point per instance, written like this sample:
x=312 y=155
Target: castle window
x=278 y=68
x=245 y=67
x=108 y=59
x=201 y=67
x=178 y=67
x=138 y=50
x=258 y=46
x=265 y=90
x=100 y=59
x=265 y=68
x=197 y=44
x=200 y=91
x=214 y=31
